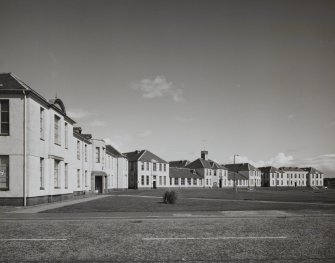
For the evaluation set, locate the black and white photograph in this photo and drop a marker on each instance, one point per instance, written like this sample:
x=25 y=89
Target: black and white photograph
x=167 y=131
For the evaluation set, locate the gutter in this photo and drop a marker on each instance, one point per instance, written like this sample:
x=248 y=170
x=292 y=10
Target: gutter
x=24 y=149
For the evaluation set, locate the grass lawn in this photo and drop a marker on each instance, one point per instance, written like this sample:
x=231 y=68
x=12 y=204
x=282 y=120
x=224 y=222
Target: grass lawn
x=209 y=200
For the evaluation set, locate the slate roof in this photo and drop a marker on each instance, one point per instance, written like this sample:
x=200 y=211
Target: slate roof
x=269 y=169
x=180 y=163
x=176 y=172
x=11 y=84
x=143 y=156
x=216 y=165
x=296 y=169
x=115 y=153
x=238 y=176
x=311 y=170
x=199 y=164
x=241 y=167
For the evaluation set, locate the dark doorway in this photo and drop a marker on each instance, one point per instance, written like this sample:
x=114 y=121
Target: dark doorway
x=295 y=184
x=154 y=184
x=98 y=184
x=220 y=183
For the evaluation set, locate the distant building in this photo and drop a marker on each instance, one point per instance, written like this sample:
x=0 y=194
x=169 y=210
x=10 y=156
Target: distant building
x=185 y=177
x=272 y=177
x=179 y=164
x=251 y=174
x=118 y=165
x=314 y=177
x=296 y=177
x=147 y=170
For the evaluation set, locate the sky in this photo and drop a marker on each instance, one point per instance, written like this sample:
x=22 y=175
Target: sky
x=253 y=78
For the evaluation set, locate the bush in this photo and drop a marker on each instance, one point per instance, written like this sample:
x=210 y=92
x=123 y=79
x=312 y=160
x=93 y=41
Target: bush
x=170 y=197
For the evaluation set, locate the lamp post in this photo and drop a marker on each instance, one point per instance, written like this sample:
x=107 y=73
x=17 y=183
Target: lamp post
x=235 y=173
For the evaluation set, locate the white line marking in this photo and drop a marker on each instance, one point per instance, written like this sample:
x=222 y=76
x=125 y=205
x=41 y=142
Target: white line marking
x=33 y=239
x=208 y=238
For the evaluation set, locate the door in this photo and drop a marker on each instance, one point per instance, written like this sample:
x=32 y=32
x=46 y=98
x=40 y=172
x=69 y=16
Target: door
x=98 y=184
x=154 y=184
x=220 y=183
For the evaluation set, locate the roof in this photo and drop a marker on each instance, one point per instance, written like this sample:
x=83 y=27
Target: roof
x=216 y=165
x=296 y=169
x=311 y=170
x=176 y=172
x=180 y=163
x=199 y=164
x=241 y=167
x=143 y=156
x=269 y=169
x=115 y=153
x=237 y=176
x=84 y=137
x=11 y=84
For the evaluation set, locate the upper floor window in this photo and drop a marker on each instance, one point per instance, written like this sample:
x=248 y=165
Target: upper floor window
x=147 y=166
x=97 y=154
x=165 y=167
x=41 y=123
x=103 y=155
x=4 y=172
x=57 y=130
x=160 y=167
x=4 y=117
x=142 y=166
x=154 y=166
x=78 y=150
x=66 y=135
x=85 y=153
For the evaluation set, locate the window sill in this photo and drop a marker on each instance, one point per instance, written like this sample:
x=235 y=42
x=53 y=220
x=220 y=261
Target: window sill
x=4 y=134
x=56 y=187
x=4 y=189
x=42 y=139
x=42 y=188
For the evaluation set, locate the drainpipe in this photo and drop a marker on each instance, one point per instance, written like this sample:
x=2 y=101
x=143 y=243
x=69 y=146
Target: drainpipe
x=117 y=173
x=24 y=149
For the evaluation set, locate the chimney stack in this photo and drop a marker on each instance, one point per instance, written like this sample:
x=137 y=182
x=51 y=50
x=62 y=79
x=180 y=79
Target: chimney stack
x=204 y=155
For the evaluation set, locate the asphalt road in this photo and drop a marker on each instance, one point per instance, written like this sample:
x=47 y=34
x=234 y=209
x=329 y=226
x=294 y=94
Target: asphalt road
x=177 y=238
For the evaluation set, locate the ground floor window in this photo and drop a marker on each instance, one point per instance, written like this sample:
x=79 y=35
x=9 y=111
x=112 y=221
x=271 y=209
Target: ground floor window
x=182 y=181
x=4 y=172
x=189 y=181
x=66 y=174
x=142 y=180
x=86 y=179
x=176 y=181
x=42 y=173
x=170 y=181
x=160 y=180
x=148 y=179
x=164 y=180
x=78 y=178
x=206 y=181
x=194 y=181
x=56 y=173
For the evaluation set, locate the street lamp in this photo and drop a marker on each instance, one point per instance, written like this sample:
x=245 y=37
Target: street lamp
x=235 y=173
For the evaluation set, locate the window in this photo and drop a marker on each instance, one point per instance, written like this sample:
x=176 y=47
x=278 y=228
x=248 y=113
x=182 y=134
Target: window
x=176 y=181
x=147 y=179
x=164 y=180
x=165 y=167
x=160 y=180
x=41 y=173
x=78 y=178
x=194 y=181
x=86 y=179
x=56 y=173
x=78 y=150
x=206 y=181
x=147 y=166
x=4 y=172
x=189 y=181
x=85 y=153
x=182 y=181
x=142 y=166
x=66 y=173
x=97 y=155
x=57 y=130
x=41 y=123
x=142 y=180
x=103 y=155
x=160 y=167
x=154 y=166
x=66 y=135
x=170 y=181
x=4 y=117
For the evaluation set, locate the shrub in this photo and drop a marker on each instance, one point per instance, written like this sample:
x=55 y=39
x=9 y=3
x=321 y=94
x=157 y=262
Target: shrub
x=170 y=197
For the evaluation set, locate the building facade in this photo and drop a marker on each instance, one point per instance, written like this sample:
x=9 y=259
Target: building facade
x=247 y=172
x=314 y=177
x=273 y=177
x=147 y=170
x=43 y=158
x=296 y=177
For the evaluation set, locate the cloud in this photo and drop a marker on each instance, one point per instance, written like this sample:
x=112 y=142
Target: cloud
x=143 y=134
x=159 y=87
x=118 y=141
x=77 y=113
x=330 y=124
x=183 y=119
x=290 y=117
